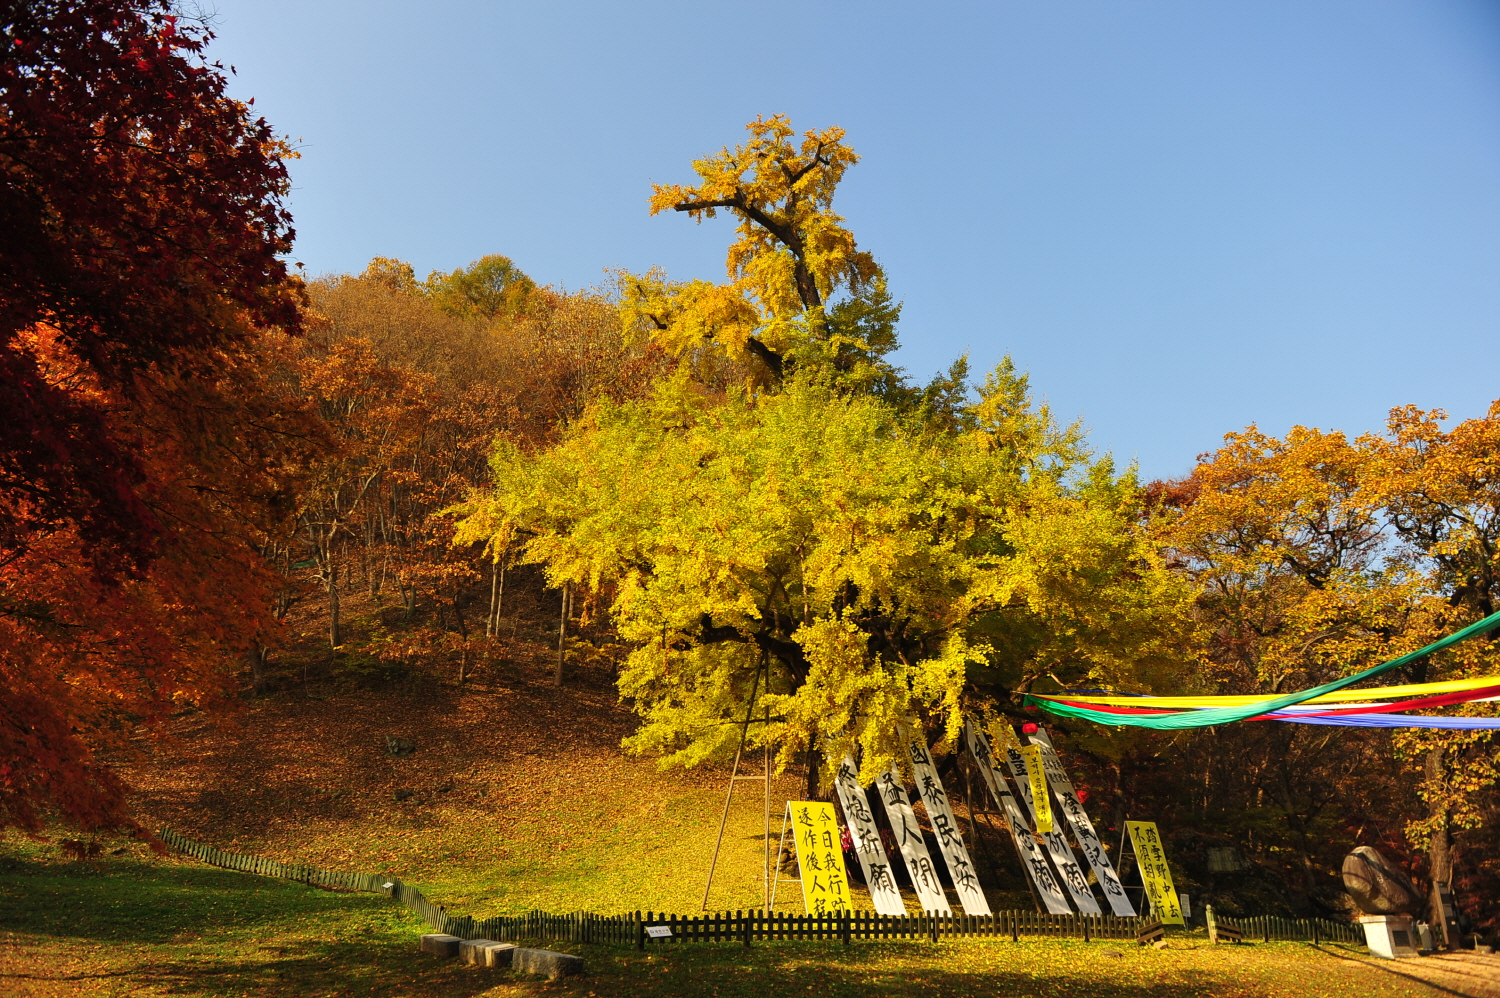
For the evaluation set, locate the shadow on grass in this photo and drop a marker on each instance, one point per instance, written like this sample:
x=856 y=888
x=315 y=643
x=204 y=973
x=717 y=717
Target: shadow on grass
x=382 y=970
x=196 y=932
x=151 y=903
x=1489 y=985
x=396 y=970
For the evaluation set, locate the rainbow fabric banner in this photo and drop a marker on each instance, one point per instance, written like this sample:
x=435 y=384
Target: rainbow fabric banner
x=1175 y=713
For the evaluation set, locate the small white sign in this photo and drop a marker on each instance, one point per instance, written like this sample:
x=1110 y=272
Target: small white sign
x=658 y=931
x=1187 y=906
x=388 y=886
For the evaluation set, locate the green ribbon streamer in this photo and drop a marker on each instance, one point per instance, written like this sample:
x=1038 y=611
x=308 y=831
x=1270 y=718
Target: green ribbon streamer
x=1228 y=715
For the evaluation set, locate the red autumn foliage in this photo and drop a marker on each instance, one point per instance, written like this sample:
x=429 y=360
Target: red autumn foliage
x=141 y=224
x=141 y=218
x=89 y=665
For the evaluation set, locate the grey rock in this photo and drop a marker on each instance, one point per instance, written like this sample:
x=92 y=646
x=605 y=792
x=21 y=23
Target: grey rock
x=440 y=944
x=545 y=962
x=1112 y=954
x=1377 y=887
x=476 y=951
x=399 y=747
x=499 y=954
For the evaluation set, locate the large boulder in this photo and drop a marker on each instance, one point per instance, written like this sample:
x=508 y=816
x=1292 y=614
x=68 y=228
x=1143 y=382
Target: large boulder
x=1378 y=888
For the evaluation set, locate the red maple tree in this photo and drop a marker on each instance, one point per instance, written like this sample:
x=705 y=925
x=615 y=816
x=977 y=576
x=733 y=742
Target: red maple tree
x=141 y=217
x=141 y=229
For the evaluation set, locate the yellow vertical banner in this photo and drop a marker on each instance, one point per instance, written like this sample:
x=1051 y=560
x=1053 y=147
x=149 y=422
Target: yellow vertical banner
x=1154 y=872
x=1041 y=797
x=820 y=857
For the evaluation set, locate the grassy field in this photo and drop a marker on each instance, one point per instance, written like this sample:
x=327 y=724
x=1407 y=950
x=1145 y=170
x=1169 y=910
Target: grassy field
x=137 y=927
x=519 y=798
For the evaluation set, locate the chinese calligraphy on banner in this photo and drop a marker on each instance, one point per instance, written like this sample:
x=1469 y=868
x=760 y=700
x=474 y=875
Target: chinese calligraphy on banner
x=1083 y=828
x=884 y=893
x=950 y=843
x=1057 y=845
x=1041 y=800
x=909 y=840
x=1154 y=872
x=820 y=857
x=1032 y=857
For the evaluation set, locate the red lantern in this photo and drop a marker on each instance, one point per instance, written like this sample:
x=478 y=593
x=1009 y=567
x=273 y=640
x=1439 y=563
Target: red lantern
x=1028 y=728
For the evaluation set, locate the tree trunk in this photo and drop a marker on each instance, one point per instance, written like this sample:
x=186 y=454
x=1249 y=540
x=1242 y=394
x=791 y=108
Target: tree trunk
x=814 y=763
x=334 y=637
x=1439 y=849
x=497 y=593
x=463 y=635
x=562 y=634
x=257 y=658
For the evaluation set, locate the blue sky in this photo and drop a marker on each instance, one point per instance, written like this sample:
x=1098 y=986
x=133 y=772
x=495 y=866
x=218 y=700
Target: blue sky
x=1180 y=218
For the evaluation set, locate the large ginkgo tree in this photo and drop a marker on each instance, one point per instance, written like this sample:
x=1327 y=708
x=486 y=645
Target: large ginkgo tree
x=847 y=548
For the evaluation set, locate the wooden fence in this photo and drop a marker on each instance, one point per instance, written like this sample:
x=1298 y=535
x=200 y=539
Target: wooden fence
x=1269 y=928
x=741 y=926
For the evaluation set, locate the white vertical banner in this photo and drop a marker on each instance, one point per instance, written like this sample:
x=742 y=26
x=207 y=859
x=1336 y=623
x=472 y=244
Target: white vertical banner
x=1032 y=857
x=867 y=846
x=950 y=843
x=1083 y=828
x=1056 y=843
x=924 y=877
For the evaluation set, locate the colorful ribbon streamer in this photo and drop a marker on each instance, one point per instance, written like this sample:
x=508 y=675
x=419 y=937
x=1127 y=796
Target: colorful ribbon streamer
x=1086 y=707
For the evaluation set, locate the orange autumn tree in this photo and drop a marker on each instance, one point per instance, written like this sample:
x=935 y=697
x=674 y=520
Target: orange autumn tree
x=1316 y=556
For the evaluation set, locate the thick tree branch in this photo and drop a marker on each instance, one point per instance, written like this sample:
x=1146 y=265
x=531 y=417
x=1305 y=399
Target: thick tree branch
x=769 y=357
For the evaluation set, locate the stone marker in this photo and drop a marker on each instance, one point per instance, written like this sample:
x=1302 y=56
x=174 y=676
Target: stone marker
x=497 y=954
x=440 y=944
x=1389 y=936
x=473 y=950
x=544 y=961
x=1378 y=888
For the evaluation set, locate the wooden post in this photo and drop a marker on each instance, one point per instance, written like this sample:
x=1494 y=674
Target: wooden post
x=733 y=775
x=766 y=749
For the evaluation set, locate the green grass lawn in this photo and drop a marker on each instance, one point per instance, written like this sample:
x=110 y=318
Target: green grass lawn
x=136 y=926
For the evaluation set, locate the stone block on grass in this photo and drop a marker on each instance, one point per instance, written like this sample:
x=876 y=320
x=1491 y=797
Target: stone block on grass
x=546 y=962
x=440 y=944
x=499 y=954
x=472 y=950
